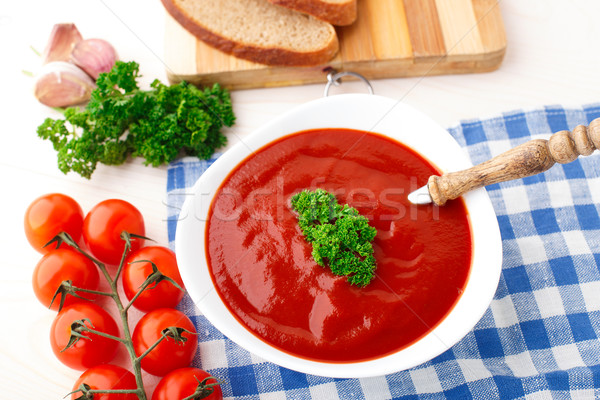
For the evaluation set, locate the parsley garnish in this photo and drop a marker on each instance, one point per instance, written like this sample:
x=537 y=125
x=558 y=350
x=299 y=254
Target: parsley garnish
x=121 y=120
x=340 y=236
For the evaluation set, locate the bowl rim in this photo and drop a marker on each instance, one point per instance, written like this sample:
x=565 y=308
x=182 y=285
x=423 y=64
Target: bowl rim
x=387 y=117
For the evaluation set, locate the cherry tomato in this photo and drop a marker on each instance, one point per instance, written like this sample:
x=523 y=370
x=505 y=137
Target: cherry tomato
x=49 y=215
x=164 y=294
x=61 y=265
x=169 y=354
x=86 y=353
x=107 y=377
x=183 y=382
x=103 y=225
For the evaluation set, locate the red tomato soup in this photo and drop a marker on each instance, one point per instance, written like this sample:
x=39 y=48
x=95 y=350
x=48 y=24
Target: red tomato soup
x=263 y=268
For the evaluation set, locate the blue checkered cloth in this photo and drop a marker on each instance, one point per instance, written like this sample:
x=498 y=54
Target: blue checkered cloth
x=539 y=337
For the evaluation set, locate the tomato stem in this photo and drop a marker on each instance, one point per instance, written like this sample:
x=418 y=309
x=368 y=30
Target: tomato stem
x=128 y=341
x=137 y=369
x=114 y=294
x=100 y=333
x=90 y=291
x=154 y=278
x=145 y=353
x=115 y=391
x=65 y=289
x=204 y=389
x=134 y=298
x=126 y=236
x=87 y=393
x=66 y=238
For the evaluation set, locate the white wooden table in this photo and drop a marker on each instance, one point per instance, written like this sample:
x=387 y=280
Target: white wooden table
x=553 y=57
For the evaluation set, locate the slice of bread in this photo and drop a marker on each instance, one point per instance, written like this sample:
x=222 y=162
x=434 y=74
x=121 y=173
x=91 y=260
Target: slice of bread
x=336 y=12
x=257 y=30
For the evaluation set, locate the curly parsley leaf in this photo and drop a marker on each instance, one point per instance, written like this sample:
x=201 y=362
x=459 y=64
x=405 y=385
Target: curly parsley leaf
x=340 y=237
x=121 y=120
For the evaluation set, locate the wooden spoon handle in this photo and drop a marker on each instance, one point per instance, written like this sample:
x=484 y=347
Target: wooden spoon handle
x=528 y=159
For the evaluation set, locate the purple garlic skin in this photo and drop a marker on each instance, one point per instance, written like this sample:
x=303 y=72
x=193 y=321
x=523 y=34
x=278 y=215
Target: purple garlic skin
x=62 y=84
x=61 y=42
x=94 y=56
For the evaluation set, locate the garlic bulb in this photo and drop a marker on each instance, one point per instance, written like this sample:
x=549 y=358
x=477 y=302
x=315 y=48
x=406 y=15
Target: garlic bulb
x=61 y=42
x=62 y=84
x=94 y=56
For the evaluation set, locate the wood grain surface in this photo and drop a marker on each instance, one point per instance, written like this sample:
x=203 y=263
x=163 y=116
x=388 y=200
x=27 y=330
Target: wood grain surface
x=390 y=38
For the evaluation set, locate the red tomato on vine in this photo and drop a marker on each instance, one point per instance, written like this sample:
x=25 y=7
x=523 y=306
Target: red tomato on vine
x=106 y=377
x=103 y=225
x=135 y=272
x=170 y=354
x=50 y=214
x=184 y=382
x=91 y=349
x=58 y=266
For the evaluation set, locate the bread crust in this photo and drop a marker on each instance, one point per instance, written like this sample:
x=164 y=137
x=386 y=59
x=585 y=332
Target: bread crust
x=250 y=52
x=339 y=14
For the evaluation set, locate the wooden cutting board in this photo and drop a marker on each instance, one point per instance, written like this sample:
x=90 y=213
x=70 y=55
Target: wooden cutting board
x=390 y=39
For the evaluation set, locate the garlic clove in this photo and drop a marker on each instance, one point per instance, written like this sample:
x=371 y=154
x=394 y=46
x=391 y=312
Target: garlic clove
x=61 y=42
x=94 y=56
x=62 y=84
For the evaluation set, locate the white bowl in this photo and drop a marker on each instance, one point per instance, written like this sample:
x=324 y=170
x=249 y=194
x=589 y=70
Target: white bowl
x=361 y=112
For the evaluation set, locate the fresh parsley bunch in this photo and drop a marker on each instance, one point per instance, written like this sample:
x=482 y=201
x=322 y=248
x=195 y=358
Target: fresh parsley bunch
x=340 y=237
x=121 y=120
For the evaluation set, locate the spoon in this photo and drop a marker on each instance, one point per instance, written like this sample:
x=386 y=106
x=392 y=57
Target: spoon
x=530 y=158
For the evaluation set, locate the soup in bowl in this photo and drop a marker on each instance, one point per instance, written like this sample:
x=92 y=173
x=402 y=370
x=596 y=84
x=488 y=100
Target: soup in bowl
x=247 y=266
